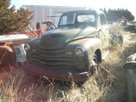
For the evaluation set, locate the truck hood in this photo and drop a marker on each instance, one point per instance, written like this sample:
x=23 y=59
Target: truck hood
x=58 y=38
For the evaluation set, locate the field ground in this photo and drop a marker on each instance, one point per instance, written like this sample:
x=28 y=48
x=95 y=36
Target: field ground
x=107 y=85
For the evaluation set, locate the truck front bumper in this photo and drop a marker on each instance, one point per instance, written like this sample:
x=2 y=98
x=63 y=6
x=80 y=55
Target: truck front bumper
x=60 y=74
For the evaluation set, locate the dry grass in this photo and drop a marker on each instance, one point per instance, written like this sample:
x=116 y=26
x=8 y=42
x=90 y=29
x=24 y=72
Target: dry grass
x=116 y=28
x=107 y=85
x=22 y=87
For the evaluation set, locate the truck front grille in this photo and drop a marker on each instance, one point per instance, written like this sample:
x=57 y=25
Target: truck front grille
x=52 y=58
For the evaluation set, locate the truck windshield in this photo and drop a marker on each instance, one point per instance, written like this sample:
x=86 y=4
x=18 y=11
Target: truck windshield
x=89 y=19
x=82 y=18
x=67 y=19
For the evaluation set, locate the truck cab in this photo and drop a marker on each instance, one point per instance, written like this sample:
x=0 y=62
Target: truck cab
x=85 y=19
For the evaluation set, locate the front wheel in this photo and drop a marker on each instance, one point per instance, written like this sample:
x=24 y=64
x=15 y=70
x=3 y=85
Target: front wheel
x=94 y=64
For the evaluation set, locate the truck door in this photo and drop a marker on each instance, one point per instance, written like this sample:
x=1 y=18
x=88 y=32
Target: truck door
x=104 y=31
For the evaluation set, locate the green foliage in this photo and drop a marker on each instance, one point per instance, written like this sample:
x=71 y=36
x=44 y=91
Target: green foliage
x=117 y=14
x=12 y=20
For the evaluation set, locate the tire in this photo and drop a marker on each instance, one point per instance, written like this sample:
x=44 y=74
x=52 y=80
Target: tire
x=94 y=64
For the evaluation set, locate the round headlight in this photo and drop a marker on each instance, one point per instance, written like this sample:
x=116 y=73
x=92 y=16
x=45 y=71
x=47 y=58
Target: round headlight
x=26 y=47
x=17 y=51
x=79 y=51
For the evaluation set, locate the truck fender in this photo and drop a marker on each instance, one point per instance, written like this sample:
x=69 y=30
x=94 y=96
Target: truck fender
x=92 y=45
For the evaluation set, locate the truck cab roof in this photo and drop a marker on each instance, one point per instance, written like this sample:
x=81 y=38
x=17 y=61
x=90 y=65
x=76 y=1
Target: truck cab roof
x=85 y=11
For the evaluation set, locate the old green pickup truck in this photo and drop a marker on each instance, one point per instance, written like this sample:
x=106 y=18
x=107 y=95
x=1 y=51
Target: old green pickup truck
x=72 y=50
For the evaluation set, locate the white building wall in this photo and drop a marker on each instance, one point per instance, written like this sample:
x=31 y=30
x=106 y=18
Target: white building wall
x=42 y=13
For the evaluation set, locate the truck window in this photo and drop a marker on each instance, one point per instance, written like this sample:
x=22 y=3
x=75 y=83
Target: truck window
x=86 y=18
x=103 y=20
x=89 y=19
x=67 y=19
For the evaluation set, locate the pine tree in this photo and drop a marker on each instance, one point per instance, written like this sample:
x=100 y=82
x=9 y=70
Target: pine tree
x=116 y=14
x=12 y=20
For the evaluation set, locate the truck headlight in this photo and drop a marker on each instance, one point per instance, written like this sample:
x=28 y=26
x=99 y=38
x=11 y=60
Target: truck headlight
x=79 y=51
x=26 y=47
x=17 y=51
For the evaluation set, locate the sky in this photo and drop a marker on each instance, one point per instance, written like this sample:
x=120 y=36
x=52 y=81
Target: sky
x=95 y=4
